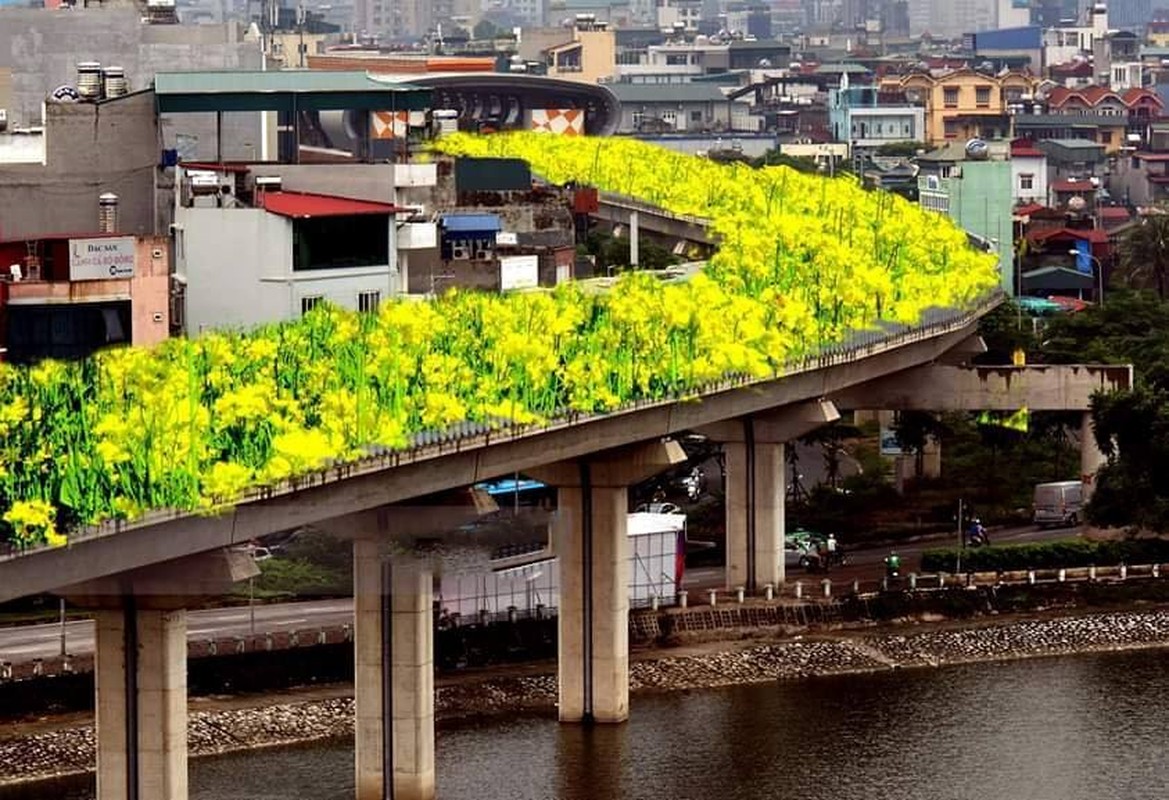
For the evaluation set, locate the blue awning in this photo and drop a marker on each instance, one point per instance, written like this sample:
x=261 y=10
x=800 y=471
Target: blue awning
x=471 y=223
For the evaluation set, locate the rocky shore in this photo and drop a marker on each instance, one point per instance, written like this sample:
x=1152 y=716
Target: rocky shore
x=70 y=749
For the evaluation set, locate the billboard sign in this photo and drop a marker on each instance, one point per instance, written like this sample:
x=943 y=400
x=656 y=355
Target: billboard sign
x=519 y=272
x=101 y=259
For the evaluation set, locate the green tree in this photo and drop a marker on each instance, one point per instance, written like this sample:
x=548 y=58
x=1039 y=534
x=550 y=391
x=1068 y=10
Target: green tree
x=1144 y=253
x=900 y=149
x=485 y=29
x=915 y=430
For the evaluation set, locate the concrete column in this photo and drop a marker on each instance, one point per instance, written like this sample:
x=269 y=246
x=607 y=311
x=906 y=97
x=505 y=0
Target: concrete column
x=412 y=671
x=369 y=636
x=1091 y=459
x=592 y=546
x=634 y=235
x=755 y=488
x=593 y=649
x=140 y=665
x=393 y=675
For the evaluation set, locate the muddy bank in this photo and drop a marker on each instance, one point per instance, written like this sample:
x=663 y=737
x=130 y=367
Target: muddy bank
x=40 y=751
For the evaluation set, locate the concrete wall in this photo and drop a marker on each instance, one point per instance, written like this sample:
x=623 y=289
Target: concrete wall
x=90 y=149
x=150 y=291
x=225 y=254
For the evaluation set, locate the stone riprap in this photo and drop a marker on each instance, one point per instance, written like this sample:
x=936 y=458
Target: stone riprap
x=71 y=750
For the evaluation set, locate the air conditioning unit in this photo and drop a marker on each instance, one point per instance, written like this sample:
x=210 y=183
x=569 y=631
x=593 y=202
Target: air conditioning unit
x=482 y=255
x=460 y=252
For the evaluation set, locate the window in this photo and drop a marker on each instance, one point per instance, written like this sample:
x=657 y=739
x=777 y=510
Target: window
x=982 y=96
x=1105 y=137
x=340 y=242
x=696 y=116
x=1026 y=182
x=950 y=97
x=367 y=302
x=307 y=304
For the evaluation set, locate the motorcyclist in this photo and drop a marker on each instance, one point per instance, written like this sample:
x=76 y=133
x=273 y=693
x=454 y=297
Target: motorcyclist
x=976 y=533
x=893 y=565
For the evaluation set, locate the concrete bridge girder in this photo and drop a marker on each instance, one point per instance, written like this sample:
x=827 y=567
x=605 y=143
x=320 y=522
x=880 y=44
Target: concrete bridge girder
x=938 y=387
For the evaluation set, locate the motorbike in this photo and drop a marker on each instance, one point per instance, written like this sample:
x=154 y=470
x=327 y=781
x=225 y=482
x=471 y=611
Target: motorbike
x=976 y=535
x=823 y=561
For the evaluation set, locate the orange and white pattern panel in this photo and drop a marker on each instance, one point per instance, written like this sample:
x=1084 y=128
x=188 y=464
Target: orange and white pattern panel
x=567 y=121
x=389 y=124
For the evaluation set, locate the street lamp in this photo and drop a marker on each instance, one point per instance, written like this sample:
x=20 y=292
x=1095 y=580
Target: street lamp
x=1099 y=273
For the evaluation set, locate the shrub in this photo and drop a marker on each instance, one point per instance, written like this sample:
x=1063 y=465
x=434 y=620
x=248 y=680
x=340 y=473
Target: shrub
x=1047 y=555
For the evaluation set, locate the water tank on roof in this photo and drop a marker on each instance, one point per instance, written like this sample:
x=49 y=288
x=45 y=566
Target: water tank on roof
x=114 y=82
x=977 y=150
x=89 y=80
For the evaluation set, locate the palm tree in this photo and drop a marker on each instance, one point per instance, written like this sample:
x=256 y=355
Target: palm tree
x=1144 y=252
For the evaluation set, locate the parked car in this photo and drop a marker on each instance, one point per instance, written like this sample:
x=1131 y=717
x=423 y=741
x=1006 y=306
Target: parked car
x=1058 y=503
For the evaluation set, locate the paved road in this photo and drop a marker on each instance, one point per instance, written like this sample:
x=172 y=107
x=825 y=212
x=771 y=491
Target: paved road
x=868 y=563
x=26 y=642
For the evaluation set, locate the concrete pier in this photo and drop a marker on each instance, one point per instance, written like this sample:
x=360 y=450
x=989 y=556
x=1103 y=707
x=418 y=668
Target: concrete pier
x=592 y=544
x=756 y=485
x=140 y=666
x=393 y=675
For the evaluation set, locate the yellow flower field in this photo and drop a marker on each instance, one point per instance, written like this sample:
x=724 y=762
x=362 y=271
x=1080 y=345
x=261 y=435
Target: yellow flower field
x=191 y=424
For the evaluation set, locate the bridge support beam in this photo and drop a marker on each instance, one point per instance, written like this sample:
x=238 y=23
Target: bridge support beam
x=756 y=484
x=1091 y=459
x=393 y=674
x=140 y=681
x=592 y=545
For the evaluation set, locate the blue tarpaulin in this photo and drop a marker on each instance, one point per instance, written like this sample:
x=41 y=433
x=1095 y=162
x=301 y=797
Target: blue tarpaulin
x=471 y=223
x=1084 y=256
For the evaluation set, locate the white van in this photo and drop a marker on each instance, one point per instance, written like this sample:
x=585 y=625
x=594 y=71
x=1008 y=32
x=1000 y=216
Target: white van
x=1059 y=503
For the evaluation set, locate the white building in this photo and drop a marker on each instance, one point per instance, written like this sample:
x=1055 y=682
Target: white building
x=256 y=244
x=656 y=544
x=1028 y=173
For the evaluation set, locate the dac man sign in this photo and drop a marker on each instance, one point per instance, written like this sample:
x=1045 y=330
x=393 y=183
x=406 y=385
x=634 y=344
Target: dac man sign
x=101 y=259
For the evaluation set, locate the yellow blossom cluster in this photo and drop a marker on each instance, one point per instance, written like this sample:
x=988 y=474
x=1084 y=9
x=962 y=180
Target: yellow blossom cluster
x=193 y=423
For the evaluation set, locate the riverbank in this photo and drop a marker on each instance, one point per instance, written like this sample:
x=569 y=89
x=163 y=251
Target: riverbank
x=54 y=747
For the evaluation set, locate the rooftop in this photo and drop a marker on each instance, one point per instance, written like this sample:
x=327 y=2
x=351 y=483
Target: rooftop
x=250 y=90
x=667 y=93
x=305 y=205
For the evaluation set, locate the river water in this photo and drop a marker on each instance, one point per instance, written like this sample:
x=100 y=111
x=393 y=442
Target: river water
x=1092 y=727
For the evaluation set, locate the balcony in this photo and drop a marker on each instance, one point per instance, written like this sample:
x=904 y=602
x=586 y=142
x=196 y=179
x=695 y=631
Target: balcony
x=38 y=292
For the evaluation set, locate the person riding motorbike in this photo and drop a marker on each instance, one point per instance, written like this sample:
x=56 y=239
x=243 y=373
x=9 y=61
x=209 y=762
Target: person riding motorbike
x=893 y=565
x=976 y=533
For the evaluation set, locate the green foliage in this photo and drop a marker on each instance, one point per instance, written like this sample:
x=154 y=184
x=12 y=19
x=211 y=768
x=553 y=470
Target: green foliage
x=611 y=251
x=294 y=577
x=995 y=469
x=1004 y=330
x=1131 y=427
x=905 y=149
x=1047 y=555
x=485 y=29
x=1144 y=253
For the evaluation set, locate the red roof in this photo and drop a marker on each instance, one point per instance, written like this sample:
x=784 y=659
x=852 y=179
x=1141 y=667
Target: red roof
x=303 y=205
x=1113 y=212
x=1093 y=235
x=214 y=166
x=1072 y=186
x=1028 y=210
x=1151 y=156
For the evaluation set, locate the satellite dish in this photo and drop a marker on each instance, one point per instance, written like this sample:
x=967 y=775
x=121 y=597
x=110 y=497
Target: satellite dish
x=1076 y=203
x=977 y=150
x=65 y=94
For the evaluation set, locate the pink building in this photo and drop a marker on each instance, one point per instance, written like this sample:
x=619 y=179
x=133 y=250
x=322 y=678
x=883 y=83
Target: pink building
x=65 y=296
